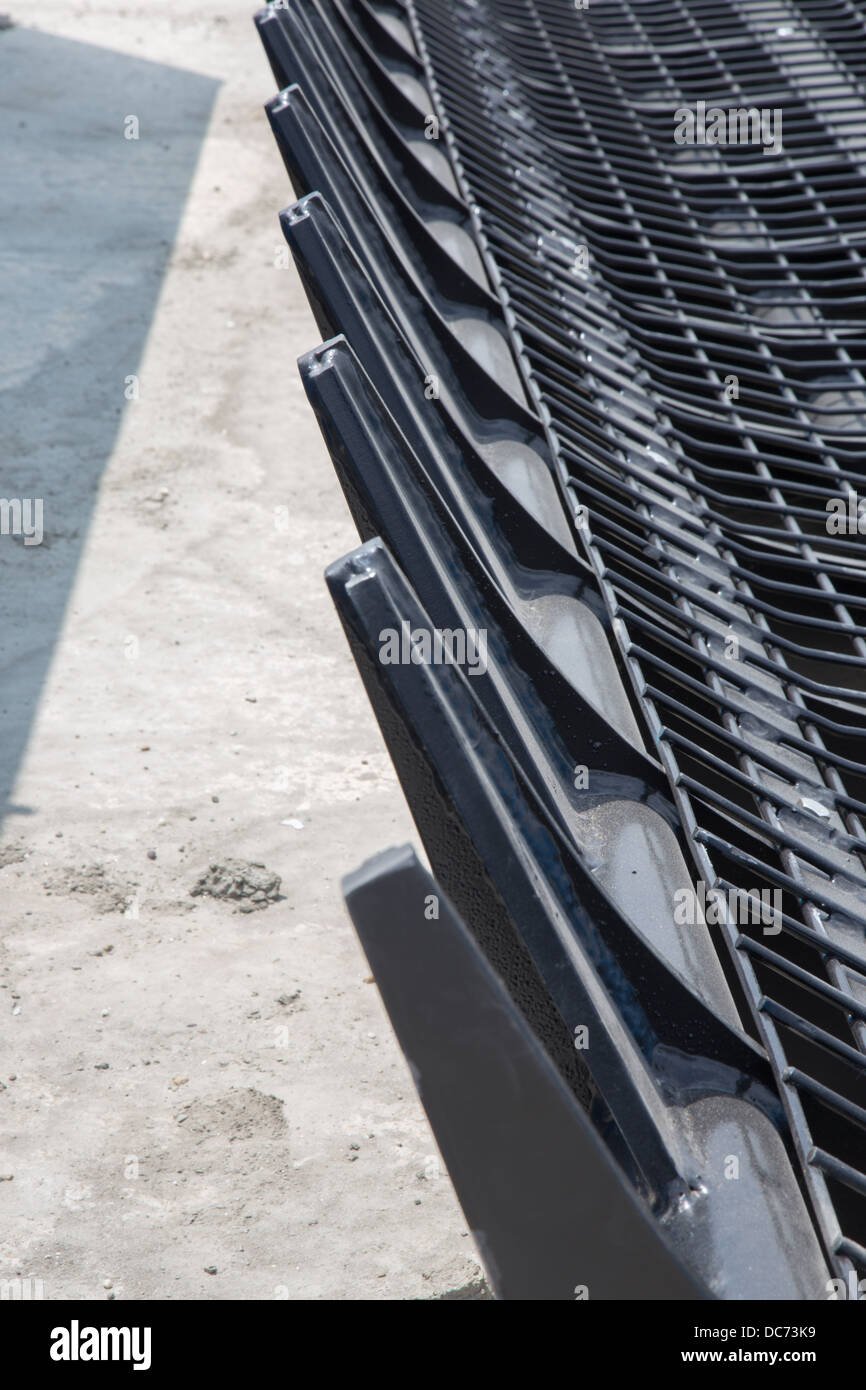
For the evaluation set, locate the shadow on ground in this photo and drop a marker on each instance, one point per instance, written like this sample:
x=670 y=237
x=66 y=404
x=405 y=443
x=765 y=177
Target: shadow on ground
x=87 y=224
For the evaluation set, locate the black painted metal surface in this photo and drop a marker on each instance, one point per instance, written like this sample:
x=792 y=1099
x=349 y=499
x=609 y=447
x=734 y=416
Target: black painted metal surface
x=708 y=514
x=554 y=311
x=511 y=1133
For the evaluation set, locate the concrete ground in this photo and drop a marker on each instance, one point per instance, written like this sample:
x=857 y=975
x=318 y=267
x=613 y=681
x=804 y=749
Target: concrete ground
x=194 y=1102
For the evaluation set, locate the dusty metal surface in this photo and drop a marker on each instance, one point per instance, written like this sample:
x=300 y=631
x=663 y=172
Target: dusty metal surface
x=558 y=300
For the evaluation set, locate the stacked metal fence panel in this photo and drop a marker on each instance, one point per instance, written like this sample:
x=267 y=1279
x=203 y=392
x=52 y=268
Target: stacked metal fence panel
x=593 y=392
x=710 y=268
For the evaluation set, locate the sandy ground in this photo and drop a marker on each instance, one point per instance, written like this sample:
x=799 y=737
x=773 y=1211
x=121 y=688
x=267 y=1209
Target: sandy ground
x=195 y=1102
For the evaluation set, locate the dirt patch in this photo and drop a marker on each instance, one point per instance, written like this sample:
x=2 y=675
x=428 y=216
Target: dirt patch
x=477 y=1290
x=12 y=854
x=240 y=1114
x=91 y=880
x=251 y=885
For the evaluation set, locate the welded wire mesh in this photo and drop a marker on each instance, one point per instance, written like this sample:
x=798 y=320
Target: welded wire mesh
x=690 y=319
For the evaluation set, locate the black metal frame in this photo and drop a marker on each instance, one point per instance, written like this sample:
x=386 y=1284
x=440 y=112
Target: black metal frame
x=434 y=269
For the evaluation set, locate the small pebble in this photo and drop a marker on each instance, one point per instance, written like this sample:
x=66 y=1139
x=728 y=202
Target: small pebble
x=151 y=854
